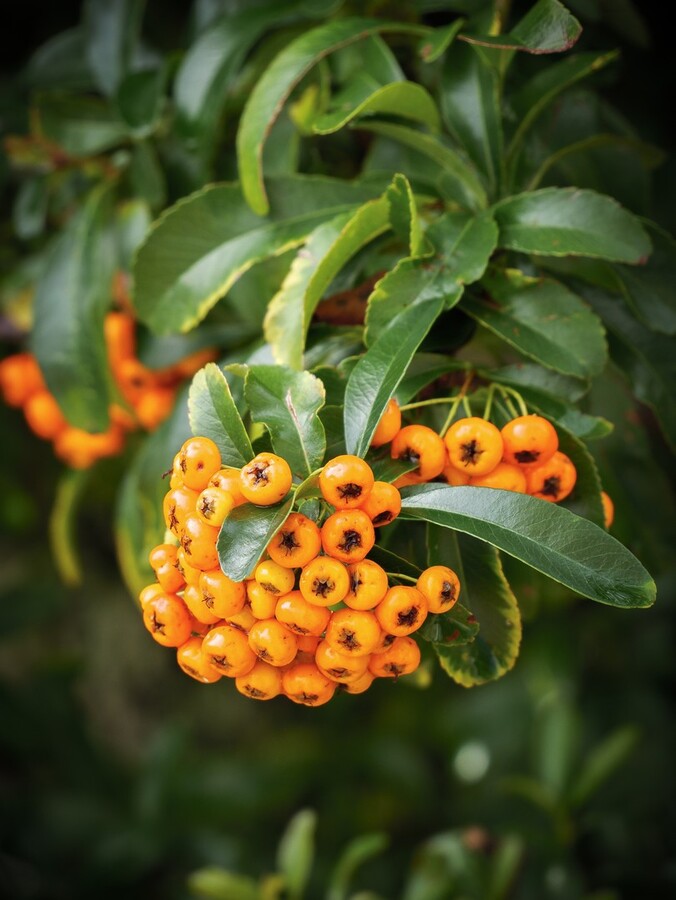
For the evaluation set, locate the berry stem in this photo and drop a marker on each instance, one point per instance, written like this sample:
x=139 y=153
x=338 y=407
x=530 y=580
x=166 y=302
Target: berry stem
x=456 y=402
x=489 y=402
x=431 y=402
x=400 y=577
x=511 y=392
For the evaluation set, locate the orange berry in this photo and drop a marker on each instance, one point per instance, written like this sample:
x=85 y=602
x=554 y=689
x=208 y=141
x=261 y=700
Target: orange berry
x=453 y=476
x=227 y=650
x=167 y=619
x=214 y=505
x=228 y=480
x=243 y=620
x=307 y=643
x=504 y=476
x=385 y=642
x=301 y=617
x=361 y=684
x=187 y=367
x=194 y=600
x=154 y=405
x=368 y=584
x=273 y=578
x=529 y=440
x=474 y=445
x=353 y=632
x=149 y=592
x=348 y=535
x=44 y=415
x=190 y=658
x=324 y=581
x=133 y=378
x=272 y=642
x=266 y=479
x=119 y=332
x=608 y=509
x=440 y=586
x=339 y=666
x=198 y=541
x=420 y=445
x=76 y=448
x=199 y=460
x=304 y=683
x=165 y=565
x=263 y=682
x=296 y=543
x=123 y=419
x=262 y=603
x=346 y=481
x=401 y=658
x=190 y=573
x=401 y=611
x=20 y=378
x=553 y=480
x=383 y=504
x=220 y=594
x=389 y=425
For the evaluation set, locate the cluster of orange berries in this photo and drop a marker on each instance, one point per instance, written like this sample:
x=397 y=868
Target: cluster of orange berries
x=149 y=395
x=316 y=613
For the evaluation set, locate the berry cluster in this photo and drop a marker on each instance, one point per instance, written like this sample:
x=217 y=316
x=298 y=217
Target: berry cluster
x=316 y=613
x=149 y=396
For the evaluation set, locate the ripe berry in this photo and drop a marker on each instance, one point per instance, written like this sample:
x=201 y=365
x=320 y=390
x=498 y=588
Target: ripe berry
x=301 y=617
x=383 y=504
x=20 y=378
x=474 y=445
x=44 y=416
x=266 y=479
x=228 y=480
x=324 y=581
x=346 y=481
x=263 y=682
x=191 y=659
x=353 y=632
x=361 y=684
x=213 y=506
x=348 y=535
x=389 y=425
x=440 y=586
x=305 y=684
x=273 y=578
x=227 y=650
x=401 y=658
x=529 y=440
x=165 y=565
x=608 y=509
x=368 y=584
x=337 y=666
x=504 y=476
x=296 y=543
x=198 y=541
x=199 y=459
x=553 y=480
x=221 y=595
x=202 y=611
x=272 y=642
x=177 y=505
x=401 y=611
x=420 y=445
x=262 y=603
x=167 y=619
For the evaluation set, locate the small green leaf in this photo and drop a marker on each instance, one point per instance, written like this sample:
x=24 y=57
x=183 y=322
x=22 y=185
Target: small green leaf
x=61 y=63
x=387 y=469
x=178 y=281
x=543 y=320
x=82 y=126
x=423 y=370
x=139 y=100
x=601 y=762
x=357 y=852
x=62 y=522
x=72 y=297
x=569 y=221
x=404 y=217
x=546 y=537
x=146 y=176
x=213 y=414
x=548 y=27
x=402 y=98
x=327 y=250
x=112 y=31
x=245 y=535
x=436 y=44
x=454 y=628
x=464 y=244
x=214 y=883
x=295 y=853
x=287 y=403
x=29 y=214
x=274 y=87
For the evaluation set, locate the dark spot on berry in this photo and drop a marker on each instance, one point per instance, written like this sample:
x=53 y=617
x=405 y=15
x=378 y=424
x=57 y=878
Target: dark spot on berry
x=408 y=617
x=551 y=486
x=258 y=473
x=355 y=582
x=173 y=520
x=394 y=669
x=527 y=456
x=383 y=517
x=349 y=491
x=304 y=697
x=471 y=451
x=208 y=599
x=447 y=592
x=339 y=672
x=221 y=662
x=388 y=640
x=409 y=455
x=157 y=625
x=263 y=654
x=254 y=692
x=348 y=639
x=207 y=507
x=297 y=628
x=183 y=465
x=288 y=542
x=186 y=541
x=270 y=588
x=190 y=671
x=322 y=587
x=200 y=465
x=351 y=541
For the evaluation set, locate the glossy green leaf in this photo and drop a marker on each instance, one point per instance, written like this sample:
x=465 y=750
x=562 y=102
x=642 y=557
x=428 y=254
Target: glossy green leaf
x=245 y=535
x=437 y=43
x=327 y=250
x=645 y=357
x=112 y=31
x=214 y=883
x=387 y=469
x=403 y=214
x=464 y=244
x=29 y=214
x=548 y=27
x=82 y=126
x=179 y=280
x=542 y=319
x=139 y=522
x=357 y=852
x=472 y=658
x=416 y=295
x=295 y=853
x=71 y=299
x=569 y=221
x=470 y=105
x=545 y=536
x=423 y=370
x=586 y=497
x=213 y=414
x=650 y=288
x=460 y=182
x=274 y=87
x=287 y=403
x=139 y=100
x=454 y=628
x=62 y=525
x=405 y=99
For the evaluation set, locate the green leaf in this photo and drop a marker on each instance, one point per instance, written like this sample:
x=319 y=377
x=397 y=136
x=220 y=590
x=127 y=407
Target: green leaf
x=357 y=852
x=287 y=403
x=132 y=221
x=296 y=852
x=601 y=762
x=569 y=221
x=486 y=594
x=548 y=27
x=387 y=469
x=245 y=535
x=274 y=87
x=139 y=522
x=60 y=63
x=650 y=288
x=417 y=299
x=62 y=522
x=29 y=214
x=470 y=105
x=146 y=176
x=461 y=182
x=450 y=629
x=545 y=536
x=214 y=883
x=436 y=44
x=140 y=98
x=327 y=250
x=71 y=299
x=213 y=414
x=423 y=370
x=645 y=357
x=82 y=126
x=542 y=319
x=178 y=281
x=404 y=217
x=112 y=31
x=464 y=244
x=402 y=98
x=586 y=497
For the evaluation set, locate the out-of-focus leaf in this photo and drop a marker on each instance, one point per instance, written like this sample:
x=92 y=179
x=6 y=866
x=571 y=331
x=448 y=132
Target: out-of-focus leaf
x=61 y=62
x=30 y=208
x=82 y=126
x=146 y=176
x=353 y=856
x=601 y=762
x=436 y=44
x=548 y=27
x=72 y=297
x=62 y=526
x=213 y=414
x=112 y=31
x=132 y=221
x=361 y=97
x=139 y=100
x=650 y=288
x=547 y=537
x=214 y=883
x=295 y=853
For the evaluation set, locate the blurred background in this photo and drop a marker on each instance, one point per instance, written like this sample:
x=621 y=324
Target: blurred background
x=120 y=777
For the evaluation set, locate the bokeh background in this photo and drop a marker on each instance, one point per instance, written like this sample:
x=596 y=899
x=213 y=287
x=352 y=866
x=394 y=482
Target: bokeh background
x=119 y=777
